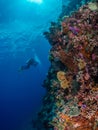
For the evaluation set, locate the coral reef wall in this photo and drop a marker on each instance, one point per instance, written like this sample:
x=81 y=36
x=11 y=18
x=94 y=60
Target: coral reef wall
x=71 y=101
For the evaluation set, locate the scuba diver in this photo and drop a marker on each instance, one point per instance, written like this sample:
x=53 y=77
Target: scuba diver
x=29 y=63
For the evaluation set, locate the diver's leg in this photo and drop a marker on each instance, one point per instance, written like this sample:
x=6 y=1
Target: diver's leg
x=24 y=67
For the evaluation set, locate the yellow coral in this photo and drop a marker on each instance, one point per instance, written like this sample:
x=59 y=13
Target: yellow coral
x=81 y=64
x=61 y=75
x=65 y=117
x=93 y=6
x=64 y=84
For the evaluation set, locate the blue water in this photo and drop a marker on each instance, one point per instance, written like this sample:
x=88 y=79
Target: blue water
x=22 y=24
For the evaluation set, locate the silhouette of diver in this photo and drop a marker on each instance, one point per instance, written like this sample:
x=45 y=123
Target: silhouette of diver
x=29 y=63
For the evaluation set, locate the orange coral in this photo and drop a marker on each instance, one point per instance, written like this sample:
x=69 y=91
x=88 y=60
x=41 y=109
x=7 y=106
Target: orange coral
x=81 y=123
x=61 y=75
x=65 y=117
x=64 y=84
x=62 y=78
x=85 y=53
